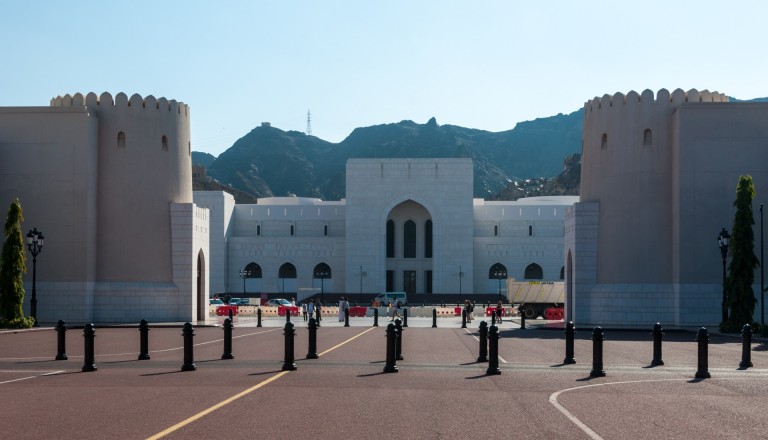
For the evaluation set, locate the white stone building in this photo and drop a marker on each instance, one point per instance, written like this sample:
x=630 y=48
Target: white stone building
x=405 y=225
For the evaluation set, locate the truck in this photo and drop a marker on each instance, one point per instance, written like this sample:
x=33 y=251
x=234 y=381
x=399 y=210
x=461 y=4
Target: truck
x=534 y=297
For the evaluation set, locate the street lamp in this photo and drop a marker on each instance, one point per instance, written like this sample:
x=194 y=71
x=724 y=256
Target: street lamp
x=461 y=275
x=499 y=272
x=244 y=274
x=35 y=245
x=722 y=242
x=322 y=274
x=362 y=274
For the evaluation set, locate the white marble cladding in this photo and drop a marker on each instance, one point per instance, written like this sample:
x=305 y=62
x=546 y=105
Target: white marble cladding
x=71 y=302
x=221 y=206
x=117 y=302
x=189 y=240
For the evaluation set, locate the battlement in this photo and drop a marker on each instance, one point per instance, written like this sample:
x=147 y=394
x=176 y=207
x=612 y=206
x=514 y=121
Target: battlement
x=663 y=97
x=120 y=101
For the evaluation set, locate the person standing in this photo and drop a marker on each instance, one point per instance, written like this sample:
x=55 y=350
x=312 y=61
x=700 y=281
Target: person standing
x=304 y=310
x=499 y=312
x=341 y=309
x=396 y=310
x=311 y=309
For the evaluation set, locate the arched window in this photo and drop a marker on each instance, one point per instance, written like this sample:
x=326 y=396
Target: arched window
x=287 y=270
x=497 y=272
x=647 y=137
x=604 y=141
x=534 y=272
x=323 y=271
x=254 y=270
x=121 y=140
x=562 y=273
x=409 y=239
x=165 y=143
x=390 y=239
x=428 y=239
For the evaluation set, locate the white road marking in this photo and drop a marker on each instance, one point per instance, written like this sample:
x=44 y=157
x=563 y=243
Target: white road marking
x=478 y=340
x=47 y=373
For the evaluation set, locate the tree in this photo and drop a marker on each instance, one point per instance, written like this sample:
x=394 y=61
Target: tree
x=12 y=266
x=741 y=271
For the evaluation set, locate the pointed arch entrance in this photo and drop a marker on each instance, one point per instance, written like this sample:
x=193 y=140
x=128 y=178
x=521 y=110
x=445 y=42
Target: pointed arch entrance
x=408 y=250
x=200 y=290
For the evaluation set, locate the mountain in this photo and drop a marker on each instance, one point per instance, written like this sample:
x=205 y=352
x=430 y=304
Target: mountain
x=564 y=184
x=270 y=162
x=203 y=159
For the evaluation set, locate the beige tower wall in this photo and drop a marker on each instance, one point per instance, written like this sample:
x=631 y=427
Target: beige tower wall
x=138 y=183
x=48 y=159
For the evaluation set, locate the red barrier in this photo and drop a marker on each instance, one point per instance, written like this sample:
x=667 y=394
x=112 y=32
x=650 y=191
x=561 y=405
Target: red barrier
x=554 y=313
x=281 y=310
x=224 y=310
x=457 y=311
x=357 y=312
x=490 y=311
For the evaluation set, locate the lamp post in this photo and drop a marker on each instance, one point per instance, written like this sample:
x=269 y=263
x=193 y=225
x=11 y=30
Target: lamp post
x=322 y=274
x=244 y=274
x=35 y=245
x=499 y=272
x=722 y=242
x=362 y=274
x=461 y=275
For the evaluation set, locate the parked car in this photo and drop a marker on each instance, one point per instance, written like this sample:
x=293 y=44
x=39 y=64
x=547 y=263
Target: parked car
x=215 y=302
x=276 y=302
x=236 y=302
x=392 y=297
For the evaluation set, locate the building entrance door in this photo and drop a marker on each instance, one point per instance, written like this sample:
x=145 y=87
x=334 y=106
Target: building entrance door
x=409 y=281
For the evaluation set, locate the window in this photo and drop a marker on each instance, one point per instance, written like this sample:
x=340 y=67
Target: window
x=409 y=281
x=323 y=271
x=428 y=281
x=562 y=273
x=495 y=230
x=604 y=142
x=165 y=143
x=121 y=140
x=390 y=281
x=325 y=230
x=254 y=270
x=287 y=270
x=530 y=230
x=428 y=239
x=291 y=230
x=258 y=230
x=647 y=137
x=409 y=239
x=390 y=240
x=497 y=272
x=534 y=272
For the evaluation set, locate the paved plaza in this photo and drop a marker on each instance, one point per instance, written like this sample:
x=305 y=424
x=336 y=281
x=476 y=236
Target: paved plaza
x=439 y=392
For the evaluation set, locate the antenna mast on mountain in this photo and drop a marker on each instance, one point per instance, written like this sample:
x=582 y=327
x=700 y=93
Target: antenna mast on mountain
x=309 y=123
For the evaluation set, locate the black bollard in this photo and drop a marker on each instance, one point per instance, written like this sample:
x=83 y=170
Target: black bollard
x=317 y=315
x=346 y=317
x=375 y=316
x=434 y=318
x=493 y=351
x=189 y=357
x=570 y=331
x=405 y=317
x=657 y=334
x=230 y=314
x=287 y=314
x=143 y=340
x=391 y=364
x=702 y=337
x=483 y=356
x=312 y=351
x=399 y=341
x=522 y=319
x=746 y=347
x=227 y=340
x=288 y=363
x=258 y=317
x=89 y=363
x=493 y=318
x=61 y=330
x=463 y=318
x=597 y=353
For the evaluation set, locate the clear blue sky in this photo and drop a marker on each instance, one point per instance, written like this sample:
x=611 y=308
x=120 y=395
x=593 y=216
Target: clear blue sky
x=479 y=64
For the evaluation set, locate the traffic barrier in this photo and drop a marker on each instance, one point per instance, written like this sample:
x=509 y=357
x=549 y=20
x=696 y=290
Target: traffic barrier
x=554 y=313
x=281 y=310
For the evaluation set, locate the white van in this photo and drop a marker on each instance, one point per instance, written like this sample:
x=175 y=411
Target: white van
x=391 y=297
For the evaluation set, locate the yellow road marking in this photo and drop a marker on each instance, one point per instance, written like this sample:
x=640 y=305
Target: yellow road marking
x=205 y=412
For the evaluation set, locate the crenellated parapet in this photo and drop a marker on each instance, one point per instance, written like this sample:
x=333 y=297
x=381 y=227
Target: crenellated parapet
x=662 y=98
x=121 y=100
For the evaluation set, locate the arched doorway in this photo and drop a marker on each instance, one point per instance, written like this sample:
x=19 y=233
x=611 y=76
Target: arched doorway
x=252 y=282
x=534 y=272
x=320 y=275
x=202 y=300
x=409 y=248
x=286 y=279
x=496 y=274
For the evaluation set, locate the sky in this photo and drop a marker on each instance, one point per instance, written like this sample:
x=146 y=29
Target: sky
x=479 y=64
